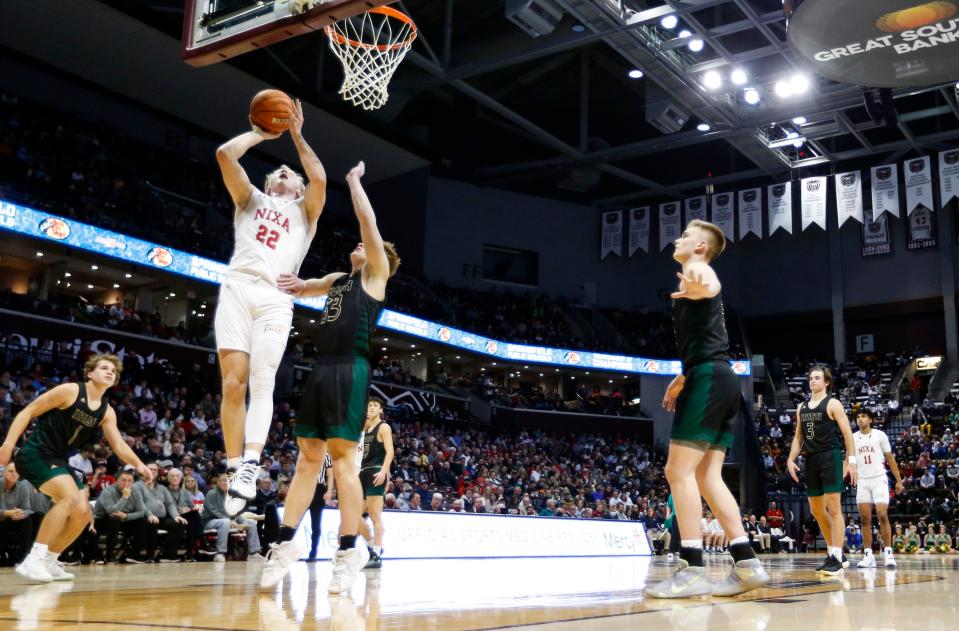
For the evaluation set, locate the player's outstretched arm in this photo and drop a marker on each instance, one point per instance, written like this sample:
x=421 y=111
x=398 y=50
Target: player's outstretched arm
x=295 y=286
x=60 y=397
x=315 y=194
x=838 y=414
x=377 y=265
x=120 y=448
x=228 y=157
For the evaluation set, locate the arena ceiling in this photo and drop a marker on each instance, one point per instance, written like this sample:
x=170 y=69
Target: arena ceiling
x=559 y=116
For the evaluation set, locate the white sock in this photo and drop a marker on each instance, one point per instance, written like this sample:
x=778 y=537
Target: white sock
x=691 y=543
x=53 y=556
x=251 y=454
x=888 y=551
x=737 y=540
x=39 y=550
x=834 y=552
x=234 y=463
x=378 y=550
x=868 y=552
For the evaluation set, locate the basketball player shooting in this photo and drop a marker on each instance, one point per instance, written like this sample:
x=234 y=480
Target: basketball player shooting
x=706 y=401
x=334 y=406
x=872 y=450
x=272 y=231
x=70 y=416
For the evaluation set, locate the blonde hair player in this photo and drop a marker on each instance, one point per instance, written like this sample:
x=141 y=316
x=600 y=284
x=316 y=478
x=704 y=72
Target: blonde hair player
x=273 y=229
x=334 y=405
x=872 y=453
x=70 y=416
x=823 y=428
x=706 y=400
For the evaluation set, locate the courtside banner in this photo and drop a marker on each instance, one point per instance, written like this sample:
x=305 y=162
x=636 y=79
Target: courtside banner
x=435 y=535
x=76 y=234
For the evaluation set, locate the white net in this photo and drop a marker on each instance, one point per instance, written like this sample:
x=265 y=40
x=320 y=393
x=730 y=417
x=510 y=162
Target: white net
x=370 y=46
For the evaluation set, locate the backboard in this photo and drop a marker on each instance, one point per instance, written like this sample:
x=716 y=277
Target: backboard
x=215 y=30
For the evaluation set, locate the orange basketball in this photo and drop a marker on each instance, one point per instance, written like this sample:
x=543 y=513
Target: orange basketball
x=271 y=111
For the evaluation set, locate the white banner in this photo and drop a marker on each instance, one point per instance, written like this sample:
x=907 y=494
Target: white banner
x=751 y=212
x=669 y=224
x=638 y=229
x=611 y=237
x=723 y=215
x=848 y=197
x=780 y=207
x=885 y=191
x=433 y=535
x=696 y=208
x=918 y=176
x=813 y=201
x=948 y=176
x=920 y=225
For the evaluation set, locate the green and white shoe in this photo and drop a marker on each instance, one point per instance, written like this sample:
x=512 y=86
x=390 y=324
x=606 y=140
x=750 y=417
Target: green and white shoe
x=745 y=576
x=687 y=582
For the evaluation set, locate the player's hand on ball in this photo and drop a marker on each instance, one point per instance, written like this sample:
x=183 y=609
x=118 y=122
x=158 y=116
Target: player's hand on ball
x=261 y=133
x=793 y=470
x=356 y=172
x=290 y=284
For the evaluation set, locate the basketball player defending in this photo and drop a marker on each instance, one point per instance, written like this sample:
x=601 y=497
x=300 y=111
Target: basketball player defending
x=272 y=231
x=374 y=472
x=823 y=427
x=334 y=403
x=70 y=416
x=872 y=448
x=706 y=399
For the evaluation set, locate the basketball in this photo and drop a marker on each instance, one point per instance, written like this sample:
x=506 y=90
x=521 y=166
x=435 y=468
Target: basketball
x=271 y=111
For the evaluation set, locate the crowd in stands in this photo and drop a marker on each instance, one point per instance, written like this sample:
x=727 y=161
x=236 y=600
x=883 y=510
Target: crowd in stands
x=77 y=168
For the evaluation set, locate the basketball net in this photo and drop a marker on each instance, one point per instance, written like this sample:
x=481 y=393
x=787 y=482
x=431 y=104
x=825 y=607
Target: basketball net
x=370 y=46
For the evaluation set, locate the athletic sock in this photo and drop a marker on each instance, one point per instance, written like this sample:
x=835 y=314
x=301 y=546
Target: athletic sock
x=53 y=556
x=834 y=552
x=251 y=455
x=286 y=533
x=378 y=550
x=232 y=464
x=39 y=550
x=741 y=549
x=347 y=542
x=691 y=551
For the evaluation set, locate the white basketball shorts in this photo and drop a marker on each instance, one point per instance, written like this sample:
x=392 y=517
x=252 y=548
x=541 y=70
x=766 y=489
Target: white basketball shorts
x=247 y=310
x=873 y=491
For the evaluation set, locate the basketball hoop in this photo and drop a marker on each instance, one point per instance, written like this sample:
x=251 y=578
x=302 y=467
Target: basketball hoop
x=370 y=46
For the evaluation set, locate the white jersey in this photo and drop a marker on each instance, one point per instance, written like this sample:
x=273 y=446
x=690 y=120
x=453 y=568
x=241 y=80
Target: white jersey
x=271 y=237
x=870 y=453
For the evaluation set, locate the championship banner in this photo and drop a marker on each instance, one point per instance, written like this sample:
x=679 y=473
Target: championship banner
x=723 y=215
x=922 y=229
x=813 y=201
x=885 y=191
x=612 y=234
x=918 y=175
x=948 y=176
x=848 y=197
x=875 y=237
x=696 y=208
x=669 y=224
x=780 y=207
x=638 y=229
x=751 y=212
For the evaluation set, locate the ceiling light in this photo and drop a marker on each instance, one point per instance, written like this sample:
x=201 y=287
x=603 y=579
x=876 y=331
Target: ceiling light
x=383 y=349
x=738 y=76
x=712 y=80
x=172 y=294
x=587 y=372
x=573 y=377
x=494 y=363
x=635 y=73
x=783 y=89
x=58 y=282
x=703 y=127
x=386 y=339
x=439 y=361
x=557 y=370
x=799 y=120
x=578 y=28
x=797 y=144
x=457 y=357
x=39 y=253
x=128 y=275
x=89 y=286
x=685 y=33
x=68 y=284
x=611 y=381
x=799 y=83
x=482 y=370
x=94 y=267
x=751 y=95
x=116 y=286
x=696 y=45
x=540 y=374
x=669 y=21
x=67 y=274
x=525 y=366
x=412 y=345
x=203 y=306
x=193 y=312
x=792 y=134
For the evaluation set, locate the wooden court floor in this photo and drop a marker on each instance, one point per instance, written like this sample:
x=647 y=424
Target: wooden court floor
x=487 y=594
